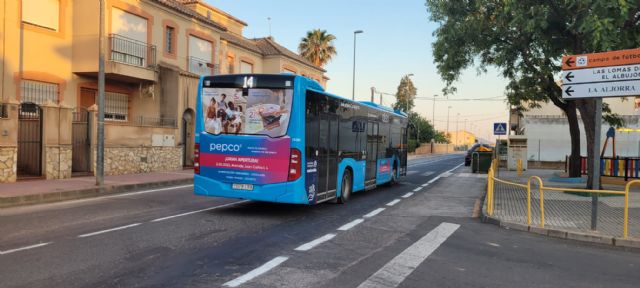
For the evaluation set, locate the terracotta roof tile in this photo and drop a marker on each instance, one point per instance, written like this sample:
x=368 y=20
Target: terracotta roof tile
x=270 y=47
x=177 y=5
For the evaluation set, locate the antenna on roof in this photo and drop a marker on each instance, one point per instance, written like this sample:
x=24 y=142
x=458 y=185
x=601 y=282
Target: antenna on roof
x=269 y=19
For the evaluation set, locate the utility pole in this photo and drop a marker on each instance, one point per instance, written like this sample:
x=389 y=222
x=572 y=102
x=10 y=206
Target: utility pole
x=457 y=129
x=100 y=152
x=433 y=113
x=445 y=135
x=373 y=92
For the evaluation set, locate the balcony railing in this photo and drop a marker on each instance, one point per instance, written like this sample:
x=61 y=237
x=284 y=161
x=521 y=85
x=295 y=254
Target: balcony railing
x=156 y=122
x=200 y=66
x=132 y=52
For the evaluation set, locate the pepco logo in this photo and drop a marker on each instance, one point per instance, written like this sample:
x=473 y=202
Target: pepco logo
x=217 y=147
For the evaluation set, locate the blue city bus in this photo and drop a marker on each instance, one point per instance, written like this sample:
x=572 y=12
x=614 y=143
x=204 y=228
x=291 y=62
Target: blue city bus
x=282 y=138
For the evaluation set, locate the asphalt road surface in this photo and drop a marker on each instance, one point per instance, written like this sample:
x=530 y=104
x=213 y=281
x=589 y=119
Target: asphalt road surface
x=419 y=233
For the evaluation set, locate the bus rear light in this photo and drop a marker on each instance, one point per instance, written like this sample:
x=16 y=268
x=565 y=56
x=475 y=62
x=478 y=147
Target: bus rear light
x=295 y=168
x=196 y=159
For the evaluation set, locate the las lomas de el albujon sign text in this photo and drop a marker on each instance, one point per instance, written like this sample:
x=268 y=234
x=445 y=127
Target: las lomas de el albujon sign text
x=597 y=75
x=602 y=74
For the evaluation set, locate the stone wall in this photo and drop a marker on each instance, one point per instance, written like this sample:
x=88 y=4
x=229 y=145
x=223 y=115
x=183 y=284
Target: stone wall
x=58 y=162
x=8 y=164
x=128 y=160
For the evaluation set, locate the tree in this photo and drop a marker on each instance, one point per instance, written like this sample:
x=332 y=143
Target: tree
x=525 y=40
x=405 y=94
x=317 y=47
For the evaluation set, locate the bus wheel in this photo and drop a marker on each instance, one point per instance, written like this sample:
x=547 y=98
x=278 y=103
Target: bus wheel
x=346 y=187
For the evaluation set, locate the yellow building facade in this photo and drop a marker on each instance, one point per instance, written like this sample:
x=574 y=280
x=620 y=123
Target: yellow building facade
x=155 y=52
x=462 y=138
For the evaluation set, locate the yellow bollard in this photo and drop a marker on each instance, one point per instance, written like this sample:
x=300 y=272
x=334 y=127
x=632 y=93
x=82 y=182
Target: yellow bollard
x=541 y=206
x=627 y=188
x=519 y=167
x=529 y=199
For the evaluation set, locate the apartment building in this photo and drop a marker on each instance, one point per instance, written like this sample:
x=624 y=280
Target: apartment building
x=155 y=52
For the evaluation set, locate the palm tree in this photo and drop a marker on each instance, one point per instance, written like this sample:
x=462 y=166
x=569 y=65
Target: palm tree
x=317 y=47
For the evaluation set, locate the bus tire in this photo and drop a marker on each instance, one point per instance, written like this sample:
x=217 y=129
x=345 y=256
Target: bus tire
x=347 y=186
x=394 y=175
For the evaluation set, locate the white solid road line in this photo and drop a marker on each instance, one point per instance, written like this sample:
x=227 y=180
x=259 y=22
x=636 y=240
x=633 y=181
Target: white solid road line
x=394 y=202
x=108 y=230
x=145 y=191
x=374 y=213
x=351 y=224
x=198 y=211
x=425 y=184
x=256 y=272
x=433 y=180
x=407 y=195
x=308 y=246
x=24 y=248
x=417 y=189
x=394 y=272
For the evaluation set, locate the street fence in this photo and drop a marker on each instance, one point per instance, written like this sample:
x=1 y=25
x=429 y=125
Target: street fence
x=627 y=167
x=534 y=204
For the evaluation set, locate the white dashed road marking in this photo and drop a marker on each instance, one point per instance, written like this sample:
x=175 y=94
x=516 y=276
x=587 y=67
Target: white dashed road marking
x=256 y=272
x=374 y=213
x=24 y=248
x=308 y=246
x=198 y=211
x=394 y=272
x=407 y=195
x=394 y=202
x=417 y=189
x=108 y=230
x=433 y=180
x=351 y=224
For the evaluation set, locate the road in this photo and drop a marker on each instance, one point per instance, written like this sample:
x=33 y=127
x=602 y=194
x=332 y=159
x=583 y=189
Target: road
x=419 y=233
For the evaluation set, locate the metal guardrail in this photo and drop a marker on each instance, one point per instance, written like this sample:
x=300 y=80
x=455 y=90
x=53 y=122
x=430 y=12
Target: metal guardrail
x=491 y=179
x=132 y=52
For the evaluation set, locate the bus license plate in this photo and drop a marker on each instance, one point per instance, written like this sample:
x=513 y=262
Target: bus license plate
x=248 y=187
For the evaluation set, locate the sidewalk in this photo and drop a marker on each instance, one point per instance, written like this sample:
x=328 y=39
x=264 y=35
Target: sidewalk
x=568 y=215
x=45 y=191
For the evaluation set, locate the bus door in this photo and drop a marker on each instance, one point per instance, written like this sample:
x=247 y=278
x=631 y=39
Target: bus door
x=323 y=154
x=372 y=153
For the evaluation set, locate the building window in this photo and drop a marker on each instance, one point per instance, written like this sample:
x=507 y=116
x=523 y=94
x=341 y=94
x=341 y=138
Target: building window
x=170 y=33
x=42 y=13
x=230 y=62
x=38 y=92
x=116 y=106
x=209 y=14
x=246 y=67
x=200 y=56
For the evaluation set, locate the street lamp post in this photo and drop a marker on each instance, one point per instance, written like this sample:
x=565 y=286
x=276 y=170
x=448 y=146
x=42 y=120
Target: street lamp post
x=458 y=129
x=447 y=134
x=407 y=100
x=353 y=90
x=433 y=113
x=101 y=92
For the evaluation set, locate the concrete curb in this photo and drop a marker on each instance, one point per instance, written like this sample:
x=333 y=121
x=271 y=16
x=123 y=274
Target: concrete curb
x=14 y=201
x=561 y=234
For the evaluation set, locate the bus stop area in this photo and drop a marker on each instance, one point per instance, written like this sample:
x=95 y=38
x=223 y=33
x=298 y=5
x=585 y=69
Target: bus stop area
x=46 y=191
x=564 y=207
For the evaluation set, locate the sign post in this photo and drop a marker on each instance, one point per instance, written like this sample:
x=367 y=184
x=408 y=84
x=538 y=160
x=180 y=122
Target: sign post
x=499 y=129
x=598 y=75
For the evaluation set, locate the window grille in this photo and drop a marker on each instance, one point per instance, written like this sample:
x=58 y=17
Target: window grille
x=38 y=92
x=116 y=106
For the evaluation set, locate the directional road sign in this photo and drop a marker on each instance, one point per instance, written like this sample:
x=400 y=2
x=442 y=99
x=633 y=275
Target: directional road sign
x=603 y=59
x=500 y=128
x=603 y=74
x=597 y=75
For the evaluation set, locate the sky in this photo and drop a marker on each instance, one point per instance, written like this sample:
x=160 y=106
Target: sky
x=396 y=41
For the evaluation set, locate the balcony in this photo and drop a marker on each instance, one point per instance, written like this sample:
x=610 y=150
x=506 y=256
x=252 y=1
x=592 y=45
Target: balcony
x=201 y=67
x=127 y=60
x=132 y=52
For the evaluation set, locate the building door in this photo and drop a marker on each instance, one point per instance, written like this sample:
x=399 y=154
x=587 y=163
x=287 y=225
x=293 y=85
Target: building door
x=372 y=153
x=29 y=140
x=81 y=143
x=87 y=97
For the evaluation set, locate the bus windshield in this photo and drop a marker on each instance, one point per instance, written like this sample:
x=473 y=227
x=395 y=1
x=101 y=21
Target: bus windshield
x=253 y=111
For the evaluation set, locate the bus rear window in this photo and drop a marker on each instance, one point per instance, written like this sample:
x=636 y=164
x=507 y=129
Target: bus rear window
x=252 y=111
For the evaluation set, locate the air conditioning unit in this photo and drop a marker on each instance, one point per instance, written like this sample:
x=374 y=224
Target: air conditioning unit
x=147 y=90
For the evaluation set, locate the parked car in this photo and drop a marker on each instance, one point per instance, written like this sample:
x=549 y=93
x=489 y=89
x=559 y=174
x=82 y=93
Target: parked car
x=476 y=148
